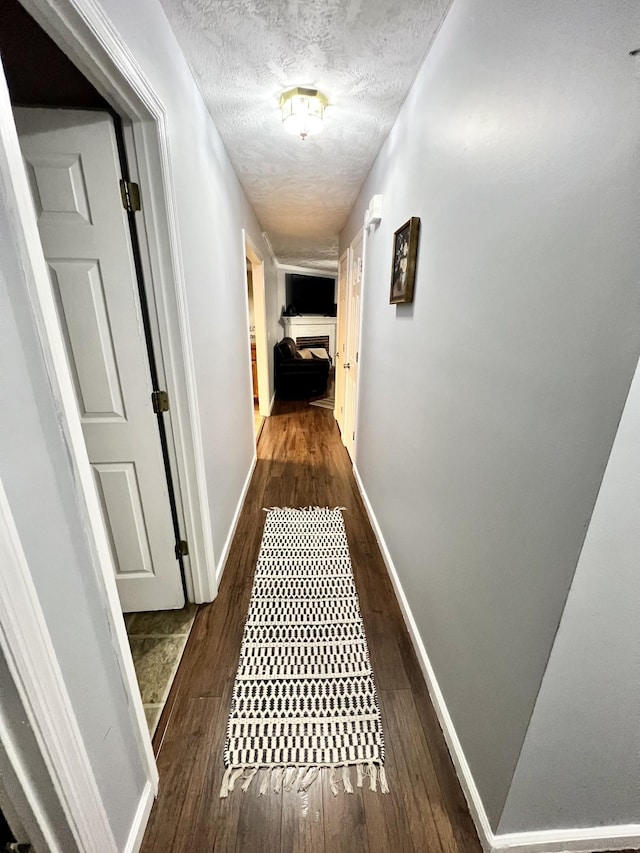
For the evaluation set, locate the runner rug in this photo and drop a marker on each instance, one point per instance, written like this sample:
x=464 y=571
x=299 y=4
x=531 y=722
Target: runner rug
x=304 y=697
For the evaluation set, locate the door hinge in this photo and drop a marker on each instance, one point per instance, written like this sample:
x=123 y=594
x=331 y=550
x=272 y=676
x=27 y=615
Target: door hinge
x=182 y=549
x=160 y=402
x=353 y=436
x=130 y=193
x=357 y=357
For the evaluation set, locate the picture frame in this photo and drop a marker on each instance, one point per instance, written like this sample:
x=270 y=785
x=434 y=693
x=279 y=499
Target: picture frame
x=403 y=267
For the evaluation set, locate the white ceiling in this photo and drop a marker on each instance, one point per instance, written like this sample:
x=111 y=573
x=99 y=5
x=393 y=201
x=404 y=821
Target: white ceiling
x=363 y=54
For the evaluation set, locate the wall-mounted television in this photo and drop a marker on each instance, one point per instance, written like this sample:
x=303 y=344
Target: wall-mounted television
x=311 y=294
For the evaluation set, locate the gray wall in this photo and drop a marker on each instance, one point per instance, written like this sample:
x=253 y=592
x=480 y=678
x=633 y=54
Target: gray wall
x=580 y=763
x=37 y=477
x=488 y=408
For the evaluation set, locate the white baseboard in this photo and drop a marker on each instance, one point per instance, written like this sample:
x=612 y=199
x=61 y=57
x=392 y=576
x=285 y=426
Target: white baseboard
x=471 y=793
x=140 y=821
x=222 y=562
x=589 y=839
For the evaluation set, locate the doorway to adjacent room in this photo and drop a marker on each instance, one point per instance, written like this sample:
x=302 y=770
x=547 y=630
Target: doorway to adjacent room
x=257 y=328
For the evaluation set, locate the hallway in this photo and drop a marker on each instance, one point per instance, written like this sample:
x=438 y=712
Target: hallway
x=301 y=461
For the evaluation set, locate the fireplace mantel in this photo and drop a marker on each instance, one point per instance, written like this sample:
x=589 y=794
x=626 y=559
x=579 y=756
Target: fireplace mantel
x=309 y=325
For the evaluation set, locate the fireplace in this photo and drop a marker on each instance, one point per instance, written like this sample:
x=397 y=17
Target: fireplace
x=312 y=330
x=303 y=341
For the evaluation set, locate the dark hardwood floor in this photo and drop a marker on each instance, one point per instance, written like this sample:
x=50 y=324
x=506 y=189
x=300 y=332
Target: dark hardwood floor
x=301 y=461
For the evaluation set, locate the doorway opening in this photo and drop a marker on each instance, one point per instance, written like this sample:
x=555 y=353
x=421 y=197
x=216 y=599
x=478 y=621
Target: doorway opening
x=75 y=153
x=341 y=338
x=350 y=280
x=257 y=328
x=258 y=420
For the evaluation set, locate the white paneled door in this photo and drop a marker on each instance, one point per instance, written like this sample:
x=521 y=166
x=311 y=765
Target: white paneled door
x=72 y=163
x=341 y=338
x=352 y=354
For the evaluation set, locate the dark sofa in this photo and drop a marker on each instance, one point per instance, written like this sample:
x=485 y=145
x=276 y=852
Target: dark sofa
x=297 y=377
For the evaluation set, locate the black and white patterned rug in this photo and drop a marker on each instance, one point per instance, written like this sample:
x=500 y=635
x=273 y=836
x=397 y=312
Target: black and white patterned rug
x=304 y=697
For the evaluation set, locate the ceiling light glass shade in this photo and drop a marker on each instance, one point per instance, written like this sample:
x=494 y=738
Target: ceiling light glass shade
x=303 y=111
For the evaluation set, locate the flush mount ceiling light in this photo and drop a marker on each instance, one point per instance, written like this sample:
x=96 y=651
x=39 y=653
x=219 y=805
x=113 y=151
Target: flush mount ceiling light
x=303 y=111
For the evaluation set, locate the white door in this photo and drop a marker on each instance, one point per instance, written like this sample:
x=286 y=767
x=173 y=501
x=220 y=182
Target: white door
x=72 y=164
x=341 y=337
x=352 y=355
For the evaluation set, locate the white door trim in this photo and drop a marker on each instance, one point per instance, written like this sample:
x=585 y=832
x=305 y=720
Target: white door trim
x=260 y=322
x=29 y=248
x=27 y=648
x=83 y=31
x=356 y=415
x=349 y=430
x=341 y=336
x=86 y=35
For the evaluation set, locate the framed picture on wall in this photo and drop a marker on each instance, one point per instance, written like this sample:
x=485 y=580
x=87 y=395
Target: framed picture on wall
x=405 y=253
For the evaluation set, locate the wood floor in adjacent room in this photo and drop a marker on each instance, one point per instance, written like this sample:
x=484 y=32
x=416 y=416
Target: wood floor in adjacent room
x=301 y=462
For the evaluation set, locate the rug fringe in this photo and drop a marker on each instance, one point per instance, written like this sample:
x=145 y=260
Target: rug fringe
x=277 y=777
x=224 y=790
x=235 y=775
x=308 y=779
x=299 y=779
x=346 y=780
x=290 y=776
x=333 y=782
x=384 y=787
x=265 y=784
x=247 y=778
x=373 y=773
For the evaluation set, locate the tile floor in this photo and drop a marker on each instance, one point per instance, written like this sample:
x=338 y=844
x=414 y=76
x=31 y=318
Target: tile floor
x=157 y=641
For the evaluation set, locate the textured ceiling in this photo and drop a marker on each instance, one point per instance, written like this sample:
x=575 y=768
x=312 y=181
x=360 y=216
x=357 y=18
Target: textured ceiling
x=363 y=54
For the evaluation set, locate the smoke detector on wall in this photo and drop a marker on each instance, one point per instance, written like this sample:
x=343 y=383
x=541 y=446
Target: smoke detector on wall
x=373 y=213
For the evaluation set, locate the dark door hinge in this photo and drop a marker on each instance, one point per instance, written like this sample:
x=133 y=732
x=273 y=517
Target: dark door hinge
x=182 y=549
x=130 y=193
x=160 y=402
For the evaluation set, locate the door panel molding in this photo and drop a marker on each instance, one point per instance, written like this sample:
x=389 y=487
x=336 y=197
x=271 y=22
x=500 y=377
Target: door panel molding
x=97 y=380
x=118 y=485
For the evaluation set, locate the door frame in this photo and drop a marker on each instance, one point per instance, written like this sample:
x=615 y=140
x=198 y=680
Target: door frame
x=363 y=272
x=88 y=38
x=260 y=322
x=352 y=426
x=341 y=336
